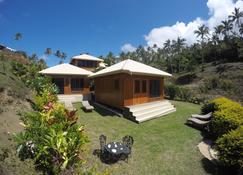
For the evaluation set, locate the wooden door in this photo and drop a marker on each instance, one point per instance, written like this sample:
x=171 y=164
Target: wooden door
x=140 y=91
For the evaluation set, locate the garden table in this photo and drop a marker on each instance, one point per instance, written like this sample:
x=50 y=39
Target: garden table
x=116 y=148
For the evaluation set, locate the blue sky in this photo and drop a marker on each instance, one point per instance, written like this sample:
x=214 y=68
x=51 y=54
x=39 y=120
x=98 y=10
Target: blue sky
x=93 y=26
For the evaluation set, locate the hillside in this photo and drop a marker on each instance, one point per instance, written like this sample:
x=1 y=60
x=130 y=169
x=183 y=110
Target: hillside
x=13 y=95
x=224 y=79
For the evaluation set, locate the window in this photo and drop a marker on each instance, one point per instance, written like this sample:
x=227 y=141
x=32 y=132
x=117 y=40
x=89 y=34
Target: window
x=116 y=84
x=137 y=86
x=87 y=63
x=154 y=88
x=77 y=84
x=144 y=86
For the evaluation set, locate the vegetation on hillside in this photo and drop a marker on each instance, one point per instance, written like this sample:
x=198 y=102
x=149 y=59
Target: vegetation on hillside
x=200 y=67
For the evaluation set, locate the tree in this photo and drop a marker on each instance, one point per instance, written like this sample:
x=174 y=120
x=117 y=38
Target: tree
x=202 y=32
x=48 y=51
x=63 y=56
x=58 y=53
x=123 y=56
x=236 y=15
x=177 y=46
x=18 y=36
x=226 y=28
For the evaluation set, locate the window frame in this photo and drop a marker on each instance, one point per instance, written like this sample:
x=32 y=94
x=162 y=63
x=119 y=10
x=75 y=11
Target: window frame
x=78 y=85
x=137 y=87
x=144 y=86
x=155 y=88
x=117 y=84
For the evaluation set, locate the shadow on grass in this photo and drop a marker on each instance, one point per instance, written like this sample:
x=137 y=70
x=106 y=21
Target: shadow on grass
x=104 y=112
x=107 y=158
x=215 y=169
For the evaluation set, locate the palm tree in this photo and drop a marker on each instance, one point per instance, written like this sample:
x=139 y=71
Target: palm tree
x=110 y=59
x=58 y=54
x=241 y=29
x=236 y=15
x=167 y=50
x=226 y=28
x=63 y=56
x=18 y=36
x=123 y=56
x=178 y=46
x=48 y=51
x=218 y=30
x=202 y=32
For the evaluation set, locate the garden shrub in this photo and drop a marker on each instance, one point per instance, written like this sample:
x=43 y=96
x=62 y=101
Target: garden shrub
x=184 y=94
x=43 y=99
x=171 y=90
x=217 y=104
x=52 y=136
x=230 y=148
x=227 y=115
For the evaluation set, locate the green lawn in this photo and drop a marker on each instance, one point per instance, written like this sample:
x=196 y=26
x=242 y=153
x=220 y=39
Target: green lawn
x=162 y=146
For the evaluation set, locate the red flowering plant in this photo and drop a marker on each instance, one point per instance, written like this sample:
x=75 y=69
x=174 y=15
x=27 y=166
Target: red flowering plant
x=57 y=137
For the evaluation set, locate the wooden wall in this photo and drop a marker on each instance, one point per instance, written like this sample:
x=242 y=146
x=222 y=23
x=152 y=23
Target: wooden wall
x=105 y=91
x=67 y=84
x=125 y=96
x=132 y=98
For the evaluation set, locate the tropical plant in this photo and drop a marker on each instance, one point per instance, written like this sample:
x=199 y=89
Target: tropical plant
x=236 y=15
x=48 y=51
x=52 y=136
x=18 y=36
x=203 y=33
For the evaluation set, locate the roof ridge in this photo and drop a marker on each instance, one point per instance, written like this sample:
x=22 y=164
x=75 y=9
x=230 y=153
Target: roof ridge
x=125 y=62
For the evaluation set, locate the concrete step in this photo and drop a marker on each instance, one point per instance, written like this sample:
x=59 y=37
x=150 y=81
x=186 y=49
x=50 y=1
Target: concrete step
x=69 y=105
x=153 y=112
x=152 y=108
x=146 y=106
x=154 y=115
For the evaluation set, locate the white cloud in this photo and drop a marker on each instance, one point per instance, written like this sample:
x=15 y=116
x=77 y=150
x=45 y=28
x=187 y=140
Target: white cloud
x=218 y=11
x=128 y=48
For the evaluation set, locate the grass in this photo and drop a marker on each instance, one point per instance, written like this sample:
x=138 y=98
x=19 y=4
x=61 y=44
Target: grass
x=162 y=146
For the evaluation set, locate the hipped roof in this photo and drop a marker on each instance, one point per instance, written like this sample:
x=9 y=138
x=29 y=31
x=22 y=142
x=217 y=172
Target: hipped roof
x=130 y=67
x=86 y=57
x=65 y=69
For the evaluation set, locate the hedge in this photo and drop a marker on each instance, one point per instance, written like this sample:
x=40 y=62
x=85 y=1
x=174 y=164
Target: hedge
x=227 y=115
x=230 y=148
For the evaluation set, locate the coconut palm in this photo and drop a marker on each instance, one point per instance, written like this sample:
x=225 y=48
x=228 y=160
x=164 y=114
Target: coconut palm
x=48 y=51
x=202 y=32
x=178 y=46
x=58 y=54
x=167 y=51
x=63 y=56
x=18 y=36
x=236 y=15
x=226 y=28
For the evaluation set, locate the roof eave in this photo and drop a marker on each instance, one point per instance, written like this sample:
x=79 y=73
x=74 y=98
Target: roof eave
x=128 y=72
x=63 y=74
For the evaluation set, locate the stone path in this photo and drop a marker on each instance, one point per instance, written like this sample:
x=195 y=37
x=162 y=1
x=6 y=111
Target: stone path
x=206 y=150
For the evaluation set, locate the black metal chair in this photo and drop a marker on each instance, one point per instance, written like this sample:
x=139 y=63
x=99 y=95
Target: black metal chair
x=128 y=141
x=102 y=139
